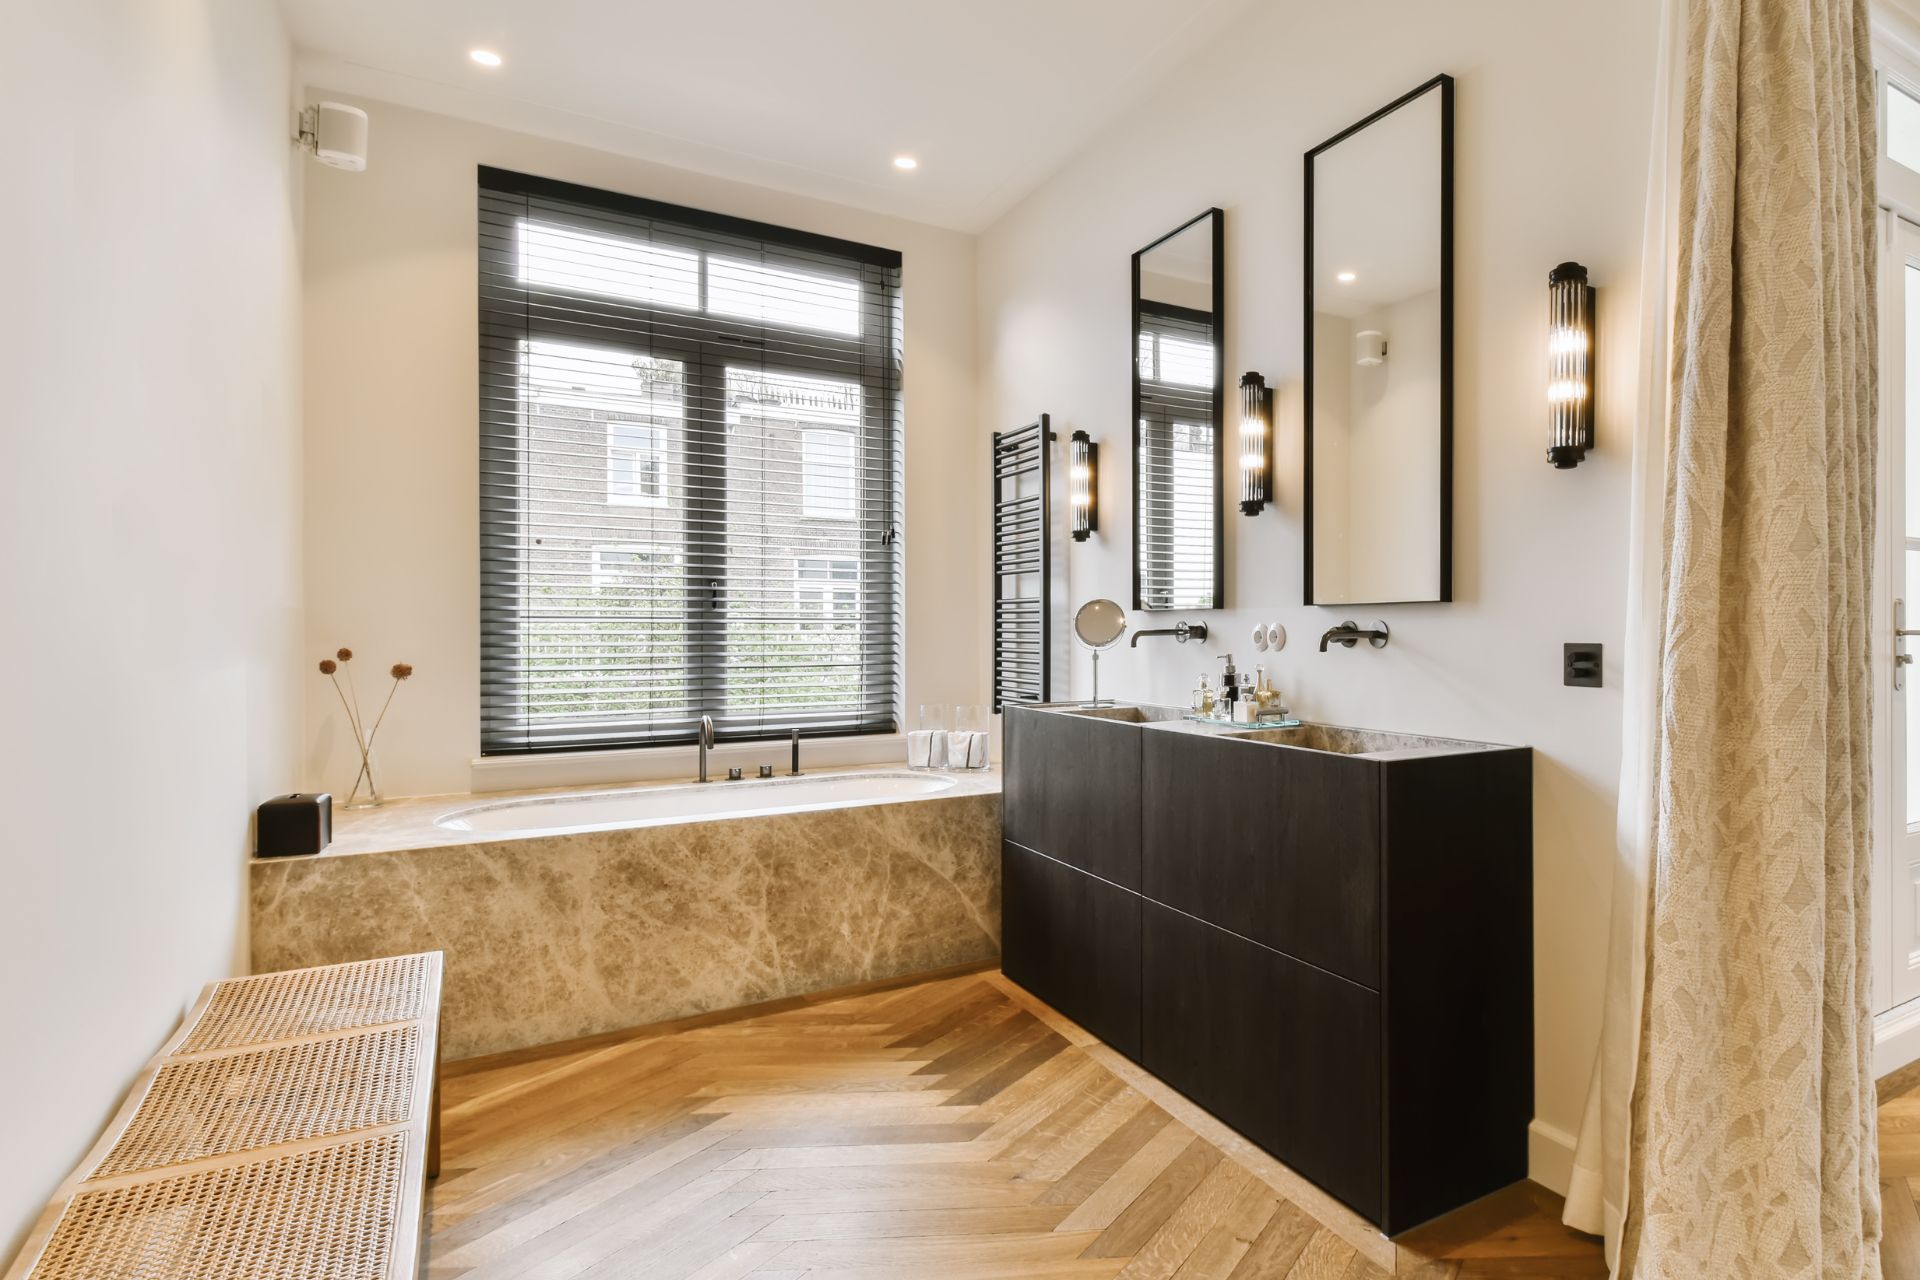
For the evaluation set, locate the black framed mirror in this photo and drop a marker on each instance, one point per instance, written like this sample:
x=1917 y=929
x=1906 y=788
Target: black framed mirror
x=1178 y=361
x=1379 y=356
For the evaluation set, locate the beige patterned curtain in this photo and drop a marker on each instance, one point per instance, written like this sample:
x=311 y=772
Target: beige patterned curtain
x=1752 y=1149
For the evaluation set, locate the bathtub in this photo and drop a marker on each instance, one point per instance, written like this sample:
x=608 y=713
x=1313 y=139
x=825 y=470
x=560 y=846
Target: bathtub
x=572 y=913
x=661 y=805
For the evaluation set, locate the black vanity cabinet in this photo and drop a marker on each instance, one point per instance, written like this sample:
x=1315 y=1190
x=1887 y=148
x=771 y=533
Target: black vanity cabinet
x=1072 y=791
x=1286 y=1054
x=1279 y=846
x=1077 y=939
x=1334 y=946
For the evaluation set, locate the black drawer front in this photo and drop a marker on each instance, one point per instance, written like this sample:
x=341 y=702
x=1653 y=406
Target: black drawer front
x=1285 y=1054
x=1072 y=791
x=1275 y=845
x=1074 y=941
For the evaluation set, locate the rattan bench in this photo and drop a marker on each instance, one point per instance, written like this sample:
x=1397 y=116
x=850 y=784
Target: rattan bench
x=285 y=1132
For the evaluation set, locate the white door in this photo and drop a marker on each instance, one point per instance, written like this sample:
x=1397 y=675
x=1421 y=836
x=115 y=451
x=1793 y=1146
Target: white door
x=1897 y=617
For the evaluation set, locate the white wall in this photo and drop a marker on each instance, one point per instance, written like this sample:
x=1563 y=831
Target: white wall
x=150 y=520
x=1391 y=471
x=392 y=417
x=1551 y=145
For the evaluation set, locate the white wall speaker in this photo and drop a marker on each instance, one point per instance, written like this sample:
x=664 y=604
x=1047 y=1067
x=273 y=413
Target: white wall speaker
x=335 y=134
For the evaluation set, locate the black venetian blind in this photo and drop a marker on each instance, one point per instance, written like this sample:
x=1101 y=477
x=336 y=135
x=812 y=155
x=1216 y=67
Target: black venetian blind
x=689 y=474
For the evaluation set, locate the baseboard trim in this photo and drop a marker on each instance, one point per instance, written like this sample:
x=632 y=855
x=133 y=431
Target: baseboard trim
x=1896 y=1049
x=1550 y=1156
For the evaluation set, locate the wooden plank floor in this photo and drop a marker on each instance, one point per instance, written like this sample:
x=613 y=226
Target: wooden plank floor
x=942 y=1129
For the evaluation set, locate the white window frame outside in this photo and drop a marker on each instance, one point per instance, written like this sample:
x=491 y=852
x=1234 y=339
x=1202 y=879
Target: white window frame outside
x=604 y=576
x=824 y=593
x=630 y=493
x=824 y=496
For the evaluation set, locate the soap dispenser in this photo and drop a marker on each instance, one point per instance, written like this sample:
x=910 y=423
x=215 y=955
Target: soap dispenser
x=1229 y=684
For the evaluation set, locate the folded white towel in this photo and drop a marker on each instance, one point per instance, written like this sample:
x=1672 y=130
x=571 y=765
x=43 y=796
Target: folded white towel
x=920 y=749
x=977 y=751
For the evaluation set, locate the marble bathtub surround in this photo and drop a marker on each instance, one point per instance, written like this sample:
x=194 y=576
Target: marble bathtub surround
x=411 y=823
x=552 y=937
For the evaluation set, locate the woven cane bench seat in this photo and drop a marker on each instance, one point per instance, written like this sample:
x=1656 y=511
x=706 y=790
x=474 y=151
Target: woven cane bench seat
x=285 y=1132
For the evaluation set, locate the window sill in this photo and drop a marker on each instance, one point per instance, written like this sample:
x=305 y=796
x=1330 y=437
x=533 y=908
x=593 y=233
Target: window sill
x=654 y=764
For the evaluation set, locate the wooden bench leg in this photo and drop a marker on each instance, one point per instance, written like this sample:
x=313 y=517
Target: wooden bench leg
x=433 y=1121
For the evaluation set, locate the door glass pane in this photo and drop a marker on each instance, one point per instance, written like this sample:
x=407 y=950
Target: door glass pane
x=1903 y=128
x=1912 y=278
x=1907 y=680
x=605 y=632
x=793 y=546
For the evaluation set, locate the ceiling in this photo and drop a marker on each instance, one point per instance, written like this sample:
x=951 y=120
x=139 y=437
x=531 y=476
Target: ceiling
x=810 y=96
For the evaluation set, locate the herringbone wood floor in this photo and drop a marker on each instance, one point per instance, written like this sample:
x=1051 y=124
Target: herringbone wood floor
x=951 y=1129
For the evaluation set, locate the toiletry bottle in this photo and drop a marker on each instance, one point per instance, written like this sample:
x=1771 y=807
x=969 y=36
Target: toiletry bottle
x=1229 y=683
x=1203 y=697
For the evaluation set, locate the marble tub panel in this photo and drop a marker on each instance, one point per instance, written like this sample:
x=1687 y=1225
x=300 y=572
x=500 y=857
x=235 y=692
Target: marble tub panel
x=555 y=937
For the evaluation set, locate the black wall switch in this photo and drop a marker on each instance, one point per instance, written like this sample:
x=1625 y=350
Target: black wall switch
x=288 y=826
x=1582 y=666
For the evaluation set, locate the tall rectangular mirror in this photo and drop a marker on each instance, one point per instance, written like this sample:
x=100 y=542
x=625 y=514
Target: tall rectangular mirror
x=1379 y=356
x=1177 y=364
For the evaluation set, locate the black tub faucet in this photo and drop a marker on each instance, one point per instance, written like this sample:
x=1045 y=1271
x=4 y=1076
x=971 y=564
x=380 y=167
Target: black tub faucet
x=1349 y=635
x=1181 y=631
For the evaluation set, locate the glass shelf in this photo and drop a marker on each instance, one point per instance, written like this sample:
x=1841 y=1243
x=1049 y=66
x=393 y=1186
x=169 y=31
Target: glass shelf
x=1272 y=720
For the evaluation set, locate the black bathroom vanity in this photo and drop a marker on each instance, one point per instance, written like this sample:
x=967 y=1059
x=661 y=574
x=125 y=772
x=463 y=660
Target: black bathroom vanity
x=1321 y=935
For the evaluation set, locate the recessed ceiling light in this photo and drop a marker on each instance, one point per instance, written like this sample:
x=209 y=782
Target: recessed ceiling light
x=905 y=162
x=1346 y=277
x=485 y=57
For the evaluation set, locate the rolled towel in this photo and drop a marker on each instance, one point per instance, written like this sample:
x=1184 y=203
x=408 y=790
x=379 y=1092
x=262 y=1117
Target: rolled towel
x=977 y=751
x=958 y=744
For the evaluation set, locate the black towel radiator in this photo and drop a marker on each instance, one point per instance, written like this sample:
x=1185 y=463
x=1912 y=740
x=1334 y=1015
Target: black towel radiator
x=1022 y=564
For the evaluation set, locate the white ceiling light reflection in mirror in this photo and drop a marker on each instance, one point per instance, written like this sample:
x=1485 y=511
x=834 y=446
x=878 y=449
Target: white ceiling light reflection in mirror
x=992 y=97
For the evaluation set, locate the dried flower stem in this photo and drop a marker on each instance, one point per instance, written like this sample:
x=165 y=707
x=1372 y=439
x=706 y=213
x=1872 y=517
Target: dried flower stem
x=359 y=723
x=359 y=740
x=382 y=717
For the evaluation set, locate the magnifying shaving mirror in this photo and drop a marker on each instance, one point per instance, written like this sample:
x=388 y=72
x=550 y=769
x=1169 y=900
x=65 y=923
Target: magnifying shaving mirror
x=1098 y=625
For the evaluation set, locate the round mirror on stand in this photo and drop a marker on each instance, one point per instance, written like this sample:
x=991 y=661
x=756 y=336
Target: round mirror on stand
x=1098 y=625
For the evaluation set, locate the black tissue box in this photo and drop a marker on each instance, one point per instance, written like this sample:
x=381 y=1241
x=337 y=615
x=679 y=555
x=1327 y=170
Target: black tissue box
x=296 y=824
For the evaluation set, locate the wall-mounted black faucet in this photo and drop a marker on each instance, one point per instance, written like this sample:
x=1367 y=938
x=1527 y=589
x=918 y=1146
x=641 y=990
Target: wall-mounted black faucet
x=1183 y=632
x=1349 y=635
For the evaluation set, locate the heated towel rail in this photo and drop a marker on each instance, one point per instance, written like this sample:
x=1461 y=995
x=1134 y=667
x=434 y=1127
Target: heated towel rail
x=1022 y=564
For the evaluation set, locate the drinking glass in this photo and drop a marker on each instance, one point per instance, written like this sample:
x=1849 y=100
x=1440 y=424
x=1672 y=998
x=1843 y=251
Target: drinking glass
x=967 y=743
x=927 y=741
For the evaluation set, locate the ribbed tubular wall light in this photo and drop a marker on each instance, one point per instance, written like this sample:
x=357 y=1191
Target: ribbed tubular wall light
x=1569 y=365
x=1083 y=504
x=1256 y=444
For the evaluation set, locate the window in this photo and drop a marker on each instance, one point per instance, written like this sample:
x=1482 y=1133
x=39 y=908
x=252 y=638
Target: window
x=828 y=589
x=639 y=568
x=826 y=474
x=636 y=464
x=1903 y=128
x=690 y=474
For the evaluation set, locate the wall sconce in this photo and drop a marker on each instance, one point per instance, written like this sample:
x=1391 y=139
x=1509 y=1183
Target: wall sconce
x=1569 y=365
x=1256 y=444
x=1369 y=348
x=1083 y=463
